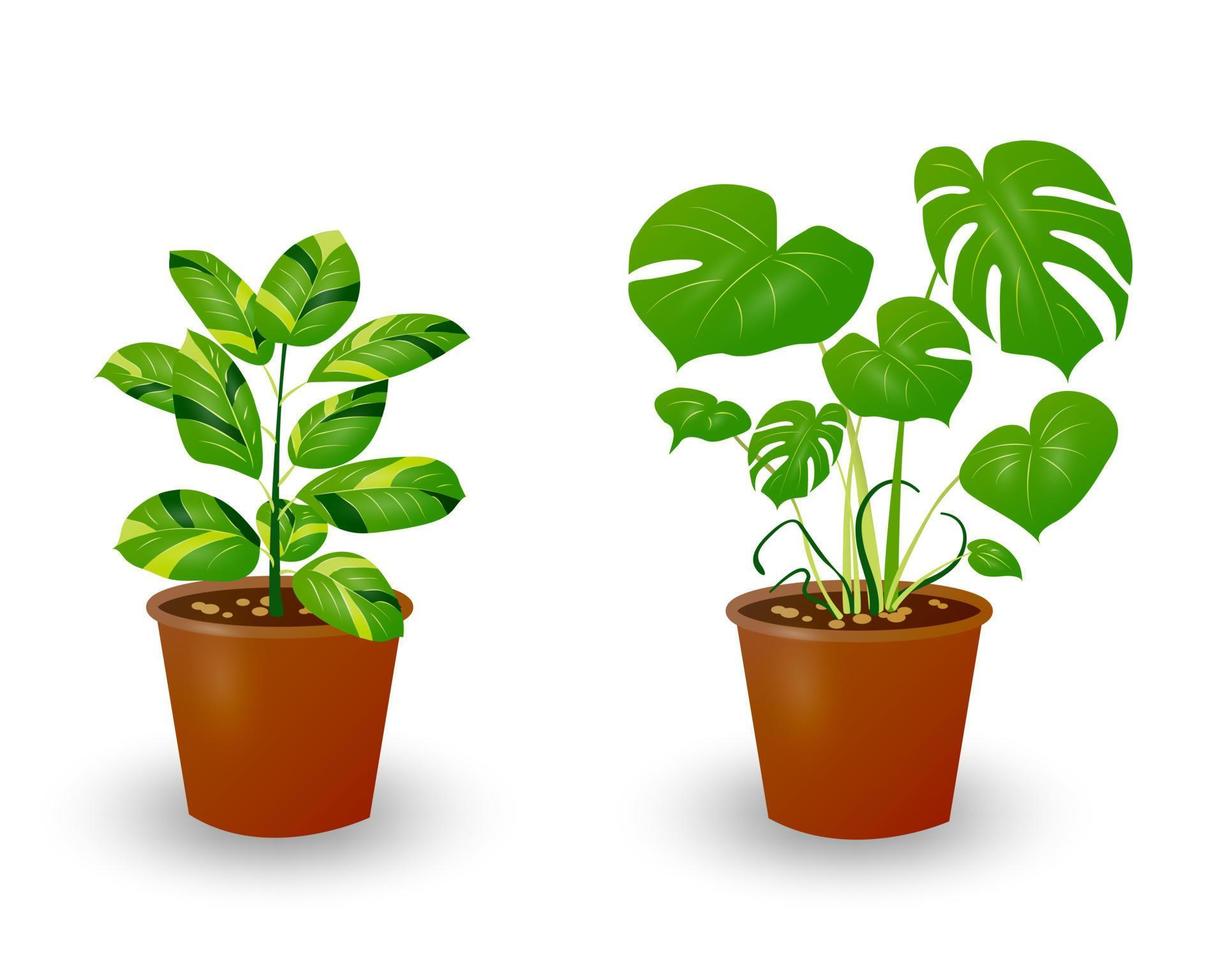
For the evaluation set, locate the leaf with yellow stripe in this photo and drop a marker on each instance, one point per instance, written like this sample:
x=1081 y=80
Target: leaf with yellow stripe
x=302 y=530
x=338 y=428
x=389 y=346
x=348 y=592
x=223 y=302
x=145 y=372
x=189 y=535
x=218 y=421
x=309 y=292
x=384 y=494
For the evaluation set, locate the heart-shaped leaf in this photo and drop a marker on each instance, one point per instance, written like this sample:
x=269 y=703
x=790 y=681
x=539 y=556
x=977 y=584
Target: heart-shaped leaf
x=901 y=379
x=694 y=414
x=991 y=558
x=222 y=301
x=309 y=292
x=797 y=445
x=389 y=346
x=216 y=413
x=384 y=494
x=348 y=592
x=145 y=372
x=189 y=535
x=748 y=295
x=302 y=530
x=338 y=428
x=1035 y=477
x=1019 y=232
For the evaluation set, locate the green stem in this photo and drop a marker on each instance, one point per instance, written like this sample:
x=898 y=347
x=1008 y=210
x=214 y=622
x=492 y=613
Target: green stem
x=285 y=397
x=893 y=532
x=901 y=569
x=931 y=285
x=930 y=576
x=275 y=605
x=865 y=526
x=812 y=561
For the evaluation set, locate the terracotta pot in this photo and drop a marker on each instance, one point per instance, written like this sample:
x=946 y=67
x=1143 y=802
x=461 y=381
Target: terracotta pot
x=279 y=727
x=859 y=732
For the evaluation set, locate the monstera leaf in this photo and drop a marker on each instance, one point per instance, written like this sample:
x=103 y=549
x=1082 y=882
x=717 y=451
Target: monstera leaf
x=389 y=346
x=1020 y=232
x=346 y=591
x=797 y=445
x=1036 y=476
x=338 y=428
x=302 y=531
x=384 y=494
x=749 y=295
x=693 y=414
x=222 y=301
x=215 y=409
x=309 y=293
x=189 y=535
x=991 y=558
x=145 y=372
x=900 y=378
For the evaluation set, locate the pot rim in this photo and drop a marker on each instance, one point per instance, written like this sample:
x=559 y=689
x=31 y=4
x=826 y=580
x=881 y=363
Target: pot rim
x=221 y=628
x=981 y=615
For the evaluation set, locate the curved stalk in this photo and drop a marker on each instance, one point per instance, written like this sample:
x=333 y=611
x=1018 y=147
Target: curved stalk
x=827 y=606
x=275 y=604
x=901 y=569
x=815 y=547
x=893 y=526
x=940 y=570
x=869 y=575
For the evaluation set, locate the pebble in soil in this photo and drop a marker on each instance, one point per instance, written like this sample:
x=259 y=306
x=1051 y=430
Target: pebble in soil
x=931 y=612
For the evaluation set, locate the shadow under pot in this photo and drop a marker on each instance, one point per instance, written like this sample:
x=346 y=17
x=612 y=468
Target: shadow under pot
x=859 y=728
x=279 y=720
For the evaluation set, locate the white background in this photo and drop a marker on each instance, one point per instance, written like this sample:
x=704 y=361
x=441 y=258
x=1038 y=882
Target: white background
x=569 y=783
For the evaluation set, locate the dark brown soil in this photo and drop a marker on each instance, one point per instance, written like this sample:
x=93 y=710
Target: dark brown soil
x=241 y=607
x=796 y=611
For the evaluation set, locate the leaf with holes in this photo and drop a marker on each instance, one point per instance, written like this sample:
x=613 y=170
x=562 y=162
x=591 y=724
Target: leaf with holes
x=338 y=428
x=309 y=292
x=384 y=494
x=222 y=301
x=215 y=409
x=302 y=530
x=1022 y=233
x=749 y=295
x=797 y=445
x=189 y=535
x=143 y=371
x=901 y=379
x=348 y=592
x=1036 y=477
x=694 y=414
x=992 y=559
x=389 y=346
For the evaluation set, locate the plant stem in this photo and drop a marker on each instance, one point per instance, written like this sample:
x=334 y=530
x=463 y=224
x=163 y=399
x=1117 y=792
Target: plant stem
x=901 y=569
x=275 y=605
x=861 y=483
x=931 y=571
x=893 y=532
x=285 y=397
x=932 y=284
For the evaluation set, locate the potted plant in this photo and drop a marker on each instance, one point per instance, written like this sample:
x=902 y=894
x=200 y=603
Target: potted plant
x=279 y=683
x=859 y=683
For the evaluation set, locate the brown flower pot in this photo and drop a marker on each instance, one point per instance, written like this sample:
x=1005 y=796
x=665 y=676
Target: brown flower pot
x=279 y=727
x=859 y=732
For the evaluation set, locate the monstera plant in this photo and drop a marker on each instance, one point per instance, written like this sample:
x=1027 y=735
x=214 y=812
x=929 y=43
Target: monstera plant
x=1032 y=206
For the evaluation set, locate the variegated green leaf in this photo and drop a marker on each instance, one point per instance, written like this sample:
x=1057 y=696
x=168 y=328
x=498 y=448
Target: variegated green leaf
x=310 y=291
x=346 y=591
x=189 y=535
x=218 y=421
x=302 y=530
x=144 y=371
x=222 y=301
x=384 y=494
x=338 y=428
x=389 y=346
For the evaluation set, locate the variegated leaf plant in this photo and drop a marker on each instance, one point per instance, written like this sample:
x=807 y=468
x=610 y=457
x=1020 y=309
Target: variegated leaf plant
x=306 y=298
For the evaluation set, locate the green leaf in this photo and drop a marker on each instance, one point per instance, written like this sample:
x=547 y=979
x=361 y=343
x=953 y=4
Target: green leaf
x=309 y=292
x=384 y=494
x=992 y=559
x=186 y=534
x=346 y=591
x=749 y=295
x=901 y=379
x=1035 y=477
x=799 y=445
x=222 y=301
x=694 y=414
x=302 y=530
x=338 y=428
x=389 y=346
x=218 y=422
x=144 y=371
x=1017 y=231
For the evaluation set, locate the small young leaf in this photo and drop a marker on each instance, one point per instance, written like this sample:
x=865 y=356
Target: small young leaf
x=144 y=371
x=384 y=494
x=799 y=445
x=348 y=592
x=218 y=421
x=302 y=530
x=389 y=346
x=310 y=291
x=338 y=428
x=992 y=559
x=699 y=415
x=222 y=301
x=186 y=534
